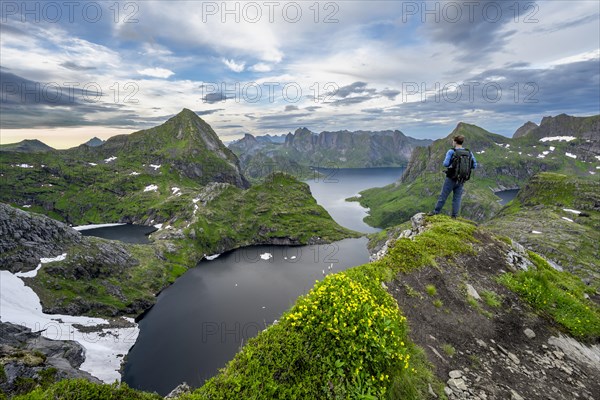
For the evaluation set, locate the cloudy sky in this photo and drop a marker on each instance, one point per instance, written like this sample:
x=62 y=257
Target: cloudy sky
x=73 y=70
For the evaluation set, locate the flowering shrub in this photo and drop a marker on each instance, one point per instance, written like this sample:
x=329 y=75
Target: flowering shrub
x=358 y=331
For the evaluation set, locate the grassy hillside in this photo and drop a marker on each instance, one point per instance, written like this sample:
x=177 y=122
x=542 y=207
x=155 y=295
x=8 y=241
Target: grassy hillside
x=503 y=163
x=178 y=174
x=130 y=178
x=557 y=216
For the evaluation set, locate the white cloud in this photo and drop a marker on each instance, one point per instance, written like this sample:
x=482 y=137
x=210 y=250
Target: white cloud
x=261 y=67
x=232 y=65
x=156 y=72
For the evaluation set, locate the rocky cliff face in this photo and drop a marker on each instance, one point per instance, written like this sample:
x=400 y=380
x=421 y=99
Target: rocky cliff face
x=342 y=149
x=380 y=147
x=25 y=238
x=586 y=130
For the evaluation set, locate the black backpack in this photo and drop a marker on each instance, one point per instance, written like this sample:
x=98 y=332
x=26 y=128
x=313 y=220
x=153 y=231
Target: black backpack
x=460 y=165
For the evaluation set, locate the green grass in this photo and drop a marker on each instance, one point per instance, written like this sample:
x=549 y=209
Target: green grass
x=558 y=295
x=431 y=290
x=499 y=167
x=280 y=209
x=491 y=298
x=437 y=303
x=448 y=349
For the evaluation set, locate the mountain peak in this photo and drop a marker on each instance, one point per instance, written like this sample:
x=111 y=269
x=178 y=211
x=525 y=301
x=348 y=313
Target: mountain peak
x=94 y=142
x=186 y=114
x=26 y=146
x=302 y=131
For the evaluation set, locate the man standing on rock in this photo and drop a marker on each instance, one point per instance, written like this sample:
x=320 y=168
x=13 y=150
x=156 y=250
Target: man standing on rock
x=459 y=162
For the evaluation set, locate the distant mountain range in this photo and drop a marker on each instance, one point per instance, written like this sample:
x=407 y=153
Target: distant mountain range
x=340 y=149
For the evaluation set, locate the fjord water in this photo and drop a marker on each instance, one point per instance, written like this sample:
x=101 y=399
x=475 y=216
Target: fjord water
x=129 y=233
x=335 y=185
x=200 y=322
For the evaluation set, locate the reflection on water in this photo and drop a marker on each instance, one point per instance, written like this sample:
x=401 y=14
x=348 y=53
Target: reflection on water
x=334 y=186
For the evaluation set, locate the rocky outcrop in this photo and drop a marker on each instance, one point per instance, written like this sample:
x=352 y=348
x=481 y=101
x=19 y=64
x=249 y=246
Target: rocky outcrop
x=28 y=357
x=586 y=129
x=381 y=148
x=25 y=238
x=185 y=142
x=94 y=142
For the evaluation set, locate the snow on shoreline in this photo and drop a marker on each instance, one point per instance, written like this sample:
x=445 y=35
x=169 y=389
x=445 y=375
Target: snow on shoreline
x=95 y=226
x=20 y=305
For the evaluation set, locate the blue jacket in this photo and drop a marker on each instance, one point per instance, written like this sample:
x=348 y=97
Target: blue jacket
x=449 y=157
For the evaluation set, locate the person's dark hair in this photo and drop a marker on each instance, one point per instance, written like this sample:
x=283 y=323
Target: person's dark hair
x=459 y=139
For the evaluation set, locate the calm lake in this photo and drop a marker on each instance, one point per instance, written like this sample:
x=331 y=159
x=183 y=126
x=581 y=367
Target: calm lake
x=200 y=322
x=125 y=233
x=335 y=185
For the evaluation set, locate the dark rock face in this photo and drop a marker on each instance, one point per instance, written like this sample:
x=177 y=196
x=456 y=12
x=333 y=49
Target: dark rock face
x=26 y=237
x=94 y=142
x=358 y=149
x=27 y=354
x=525 y=129
x=379 y=145
x=585 y=129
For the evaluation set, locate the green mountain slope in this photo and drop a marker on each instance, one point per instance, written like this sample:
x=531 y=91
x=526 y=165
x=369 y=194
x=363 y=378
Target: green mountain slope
x=557 y=216
x=128 y=178
x=503 y=163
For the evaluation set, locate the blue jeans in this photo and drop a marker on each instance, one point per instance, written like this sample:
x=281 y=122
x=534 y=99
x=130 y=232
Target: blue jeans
x=450 y=186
